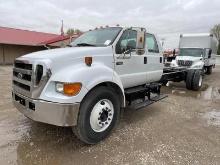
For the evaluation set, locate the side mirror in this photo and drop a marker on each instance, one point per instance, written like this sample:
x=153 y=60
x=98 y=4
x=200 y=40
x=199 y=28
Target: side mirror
x=140 y=42
x=208 y=53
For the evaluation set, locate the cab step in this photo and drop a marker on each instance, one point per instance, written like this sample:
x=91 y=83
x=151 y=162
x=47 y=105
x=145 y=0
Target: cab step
x=141 y=92
x=147 y=102
x=138 y=89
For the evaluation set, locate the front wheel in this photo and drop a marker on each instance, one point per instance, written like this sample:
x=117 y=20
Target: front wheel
x=99 y=112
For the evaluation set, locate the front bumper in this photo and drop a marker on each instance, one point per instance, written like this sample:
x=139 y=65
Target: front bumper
x=46 y=112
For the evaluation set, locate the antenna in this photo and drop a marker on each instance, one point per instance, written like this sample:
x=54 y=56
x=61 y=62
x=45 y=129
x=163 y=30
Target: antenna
x=61 y=30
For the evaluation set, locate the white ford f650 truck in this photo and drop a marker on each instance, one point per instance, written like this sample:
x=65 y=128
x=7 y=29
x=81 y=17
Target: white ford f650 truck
x=85 y=85
x=197 y=51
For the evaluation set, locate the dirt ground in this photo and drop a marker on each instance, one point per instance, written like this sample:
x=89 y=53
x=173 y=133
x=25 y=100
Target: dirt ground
x=181 y=129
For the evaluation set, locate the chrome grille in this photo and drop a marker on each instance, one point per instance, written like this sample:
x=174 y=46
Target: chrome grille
x=22 y=77
x=21 y=85
x=21 y=65
x=184 y=63
x=21 y=74
x=29 y=79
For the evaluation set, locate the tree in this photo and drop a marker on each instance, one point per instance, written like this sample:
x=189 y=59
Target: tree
x=216 y=31
x=71 y=31
x=77 y=31
x=218 y=48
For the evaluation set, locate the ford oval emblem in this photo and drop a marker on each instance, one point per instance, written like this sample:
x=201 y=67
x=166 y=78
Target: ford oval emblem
x=20 y=75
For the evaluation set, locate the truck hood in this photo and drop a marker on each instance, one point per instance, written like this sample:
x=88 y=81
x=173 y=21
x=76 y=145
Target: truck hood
x=68 y=53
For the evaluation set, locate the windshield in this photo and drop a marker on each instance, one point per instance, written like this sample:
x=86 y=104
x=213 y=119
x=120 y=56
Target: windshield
x=99 y=37
x=194 y=52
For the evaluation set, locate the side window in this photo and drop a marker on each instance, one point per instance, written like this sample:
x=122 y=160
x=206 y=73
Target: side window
x=127 y=41
x=151 y=43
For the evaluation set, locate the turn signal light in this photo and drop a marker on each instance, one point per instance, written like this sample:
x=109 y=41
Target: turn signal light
x=71 y=89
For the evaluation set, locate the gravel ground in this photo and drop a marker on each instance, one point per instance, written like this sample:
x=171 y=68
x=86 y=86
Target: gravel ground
x=181 y=129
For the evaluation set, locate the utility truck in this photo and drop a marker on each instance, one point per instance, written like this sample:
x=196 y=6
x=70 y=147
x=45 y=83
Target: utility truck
x=84 y=86
x=197 y=51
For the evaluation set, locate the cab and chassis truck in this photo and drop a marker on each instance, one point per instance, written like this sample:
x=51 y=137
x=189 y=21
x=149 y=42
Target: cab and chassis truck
x=197 y=51
x=84 y=86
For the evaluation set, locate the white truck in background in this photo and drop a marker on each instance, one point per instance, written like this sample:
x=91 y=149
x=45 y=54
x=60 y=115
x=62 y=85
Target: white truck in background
x=84 y=86
x=197 y=51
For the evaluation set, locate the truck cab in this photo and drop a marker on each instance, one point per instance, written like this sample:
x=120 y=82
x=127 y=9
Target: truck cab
x=196 y=51
x=85 y=85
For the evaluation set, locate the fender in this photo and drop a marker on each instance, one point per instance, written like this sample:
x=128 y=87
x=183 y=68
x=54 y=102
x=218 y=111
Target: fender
x=198 y=65
x=89 y=77
x=104 y=74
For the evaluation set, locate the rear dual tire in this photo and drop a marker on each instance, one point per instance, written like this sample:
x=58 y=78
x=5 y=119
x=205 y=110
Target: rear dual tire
x=209 y=70
x=194 y=80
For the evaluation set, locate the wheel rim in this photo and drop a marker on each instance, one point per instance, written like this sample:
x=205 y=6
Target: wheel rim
x=101 y=115
x=200 y=80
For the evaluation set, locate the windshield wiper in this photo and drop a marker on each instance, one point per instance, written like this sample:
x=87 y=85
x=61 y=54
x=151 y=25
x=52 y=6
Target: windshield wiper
x=84 y=44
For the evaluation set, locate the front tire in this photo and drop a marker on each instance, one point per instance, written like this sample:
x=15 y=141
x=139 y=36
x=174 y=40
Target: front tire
x=99 y=113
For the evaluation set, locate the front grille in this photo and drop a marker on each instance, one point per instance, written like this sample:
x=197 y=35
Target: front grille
x=184 y=63
x=22 y=76
x=29 y=79
x=23 y=86
x=23 y=65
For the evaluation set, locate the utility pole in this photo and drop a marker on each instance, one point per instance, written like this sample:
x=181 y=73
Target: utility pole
x=163 y=41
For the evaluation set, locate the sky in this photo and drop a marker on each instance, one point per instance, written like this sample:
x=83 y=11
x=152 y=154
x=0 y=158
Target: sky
x=167 y=18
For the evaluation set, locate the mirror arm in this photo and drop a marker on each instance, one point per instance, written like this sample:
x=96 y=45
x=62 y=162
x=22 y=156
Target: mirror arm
x=124 y=53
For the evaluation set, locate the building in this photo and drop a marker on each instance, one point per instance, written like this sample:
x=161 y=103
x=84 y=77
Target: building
x=17 y=42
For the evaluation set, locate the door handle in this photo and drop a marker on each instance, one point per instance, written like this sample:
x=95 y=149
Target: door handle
x=119 y=63
x=145 y=60
x=161 y=59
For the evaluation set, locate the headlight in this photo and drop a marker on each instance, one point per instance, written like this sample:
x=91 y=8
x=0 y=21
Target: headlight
x=173 y=63
x=69 y=89
x=59 y=87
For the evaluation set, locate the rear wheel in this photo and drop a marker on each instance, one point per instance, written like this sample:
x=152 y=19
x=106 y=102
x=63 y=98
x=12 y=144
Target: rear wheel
x=197 y=80
x=189 y=78
x=209 y=70
x=164 y=82
x=99 y=112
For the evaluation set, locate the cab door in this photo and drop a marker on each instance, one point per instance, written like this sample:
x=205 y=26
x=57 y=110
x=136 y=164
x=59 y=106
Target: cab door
x=154 y=56
x=128 y=64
